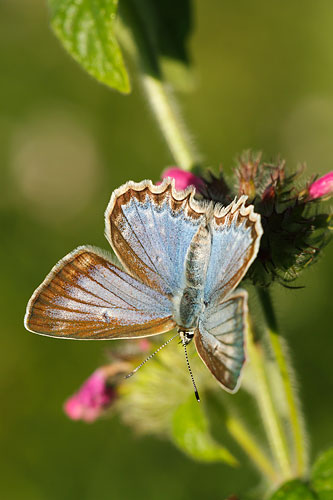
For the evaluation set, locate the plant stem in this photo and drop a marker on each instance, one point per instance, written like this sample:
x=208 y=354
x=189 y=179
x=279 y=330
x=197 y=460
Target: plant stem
x=271 y=419
x=287 y=376
x=242 y=436
x=133 y=32
x=172 y=126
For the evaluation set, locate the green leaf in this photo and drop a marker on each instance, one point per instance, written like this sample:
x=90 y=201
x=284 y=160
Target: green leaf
x=174 y=18
x=322 y=476
x=293 y=490
x=165 y=26
x=86 y=30
x=174 y=23
x=191 y=434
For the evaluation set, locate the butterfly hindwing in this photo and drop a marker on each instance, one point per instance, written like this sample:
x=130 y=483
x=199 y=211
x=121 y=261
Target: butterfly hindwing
x=150 y=229
x=86 y=296
x=220 y=336
x=179 y=254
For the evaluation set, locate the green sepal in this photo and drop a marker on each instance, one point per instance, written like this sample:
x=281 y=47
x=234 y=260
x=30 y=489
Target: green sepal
x=86 y=30
x=190 y=432
x=174 y=24
x=322 y=476
x=293 y=490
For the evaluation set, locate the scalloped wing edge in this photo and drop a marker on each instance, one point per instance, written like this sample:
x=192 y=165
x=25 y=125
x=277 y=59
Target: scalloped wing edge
x=245 y=211
x=198 y=206
x=210 y=208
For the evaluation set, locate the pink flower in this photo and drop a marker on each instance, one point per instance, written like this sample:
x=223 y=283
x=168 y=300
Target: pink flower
x=183 y=179
x=322 y=187
x=93 y=397
x=144 y=345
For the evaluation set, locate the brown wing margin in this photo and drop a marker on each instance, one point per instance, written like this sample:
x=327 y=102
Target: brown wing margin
x=85 y=296
x=137 y=248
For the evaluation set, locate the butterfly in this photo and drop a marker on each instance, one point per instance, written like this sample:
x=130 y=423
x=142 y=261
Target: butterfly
x=181 y=261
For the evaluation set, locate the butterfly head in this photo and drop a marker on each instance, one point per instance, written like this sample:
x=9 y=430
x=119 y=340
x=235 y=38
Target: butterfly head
x=185 y=335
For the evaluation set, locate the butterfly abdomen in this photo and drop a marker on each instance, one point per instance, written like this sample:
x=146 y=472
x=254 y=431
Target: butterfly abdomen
x=189 y=303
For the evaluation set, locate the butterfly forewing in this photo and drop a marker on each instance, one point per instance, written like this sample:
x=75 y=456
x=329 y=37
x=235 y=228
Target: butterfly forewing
x=219 y=339
x=150 y=228
x=236 y=233
x=87 y=297
x=183 y=259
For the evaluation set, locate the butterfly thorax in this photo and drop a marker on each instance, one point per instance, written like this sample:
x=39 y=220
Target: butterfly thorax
x=189 y=302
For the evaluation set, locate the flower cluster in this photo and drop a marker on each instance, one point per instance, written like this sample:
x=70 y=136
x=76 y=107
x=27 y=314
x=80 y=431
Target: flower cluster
x=295 y=230
x=295 y=226
x=101 y=390
x=94 y=397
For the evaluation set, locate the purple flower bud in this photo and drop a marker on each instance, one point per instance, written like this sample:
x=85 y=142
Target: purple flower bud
x=183 y=179
x=322 y=187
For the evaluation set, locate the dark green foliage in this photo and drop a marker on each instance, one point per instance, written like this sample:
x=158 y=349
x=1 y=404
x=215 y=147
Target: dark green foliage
x=293 y=490
x=216 y=188
x=320 y=486
x=295 y=227
x=322 y=476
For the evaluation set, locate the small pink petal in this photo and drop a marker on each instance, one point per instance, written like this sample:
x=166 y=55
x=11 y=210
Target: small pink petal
x=322 y=186
x=144 y=345
x=183 y=179
x=73 y=408
x=90 y=401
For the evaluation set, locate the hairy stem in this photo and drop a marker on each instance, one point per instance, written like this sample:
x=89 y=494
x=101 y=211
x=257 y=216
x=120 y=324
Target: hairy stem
x=167 y=114
x=270 y=416
x=244 y=439
x=287 y=376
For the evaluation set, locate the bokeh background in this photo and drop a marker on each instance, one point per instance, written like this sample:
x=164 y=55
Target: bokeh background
x=264 y=80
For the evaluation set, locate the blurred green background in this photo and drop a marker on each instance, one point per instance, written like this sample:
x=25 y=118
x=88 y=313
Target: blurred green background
x=264 y=80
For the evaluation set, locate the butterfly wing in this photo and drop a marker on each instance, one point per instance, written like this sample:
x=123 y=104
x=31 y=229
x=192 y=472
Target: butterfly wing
x=219 y=339
x=86 y=296
x=150 y=229
x=236 y=233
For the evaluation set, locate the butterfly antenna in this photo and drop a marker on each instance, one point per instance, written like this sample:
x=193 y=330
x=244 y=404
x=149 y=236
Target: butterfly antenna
x=150 y=356
x=192 y=378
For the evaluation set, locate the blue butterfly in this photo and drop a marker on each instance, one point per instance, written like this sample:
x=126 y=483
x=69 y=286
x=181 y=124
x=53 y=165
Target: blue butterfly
x=181 y=262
